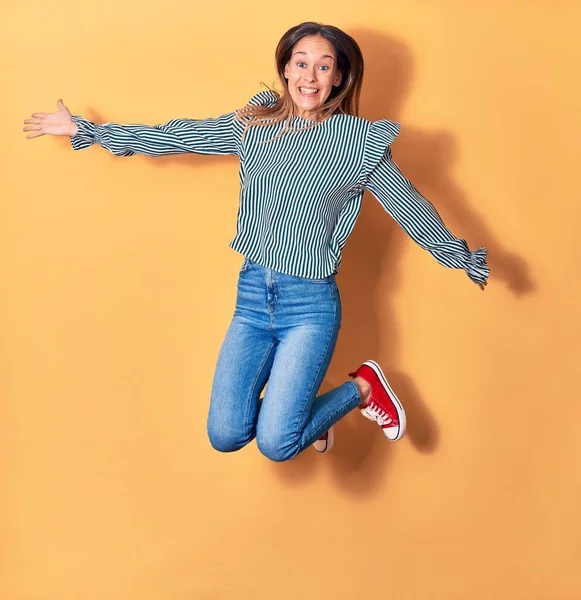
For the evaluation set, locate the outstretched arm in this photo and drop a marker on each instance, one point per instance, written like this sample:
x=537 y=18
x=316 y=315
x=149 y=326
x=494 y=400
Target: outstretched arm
x=200 y=136
x=420 y=220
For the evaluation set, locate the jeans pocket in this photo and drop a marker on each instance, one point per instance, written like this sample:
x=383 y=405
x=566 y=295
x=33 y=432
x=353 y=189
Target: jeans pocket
x=245 y=265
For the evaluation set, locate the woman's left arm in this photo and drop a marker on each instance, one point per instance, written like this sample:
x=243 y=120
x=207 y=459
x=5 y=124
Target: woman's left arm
x=420 y=220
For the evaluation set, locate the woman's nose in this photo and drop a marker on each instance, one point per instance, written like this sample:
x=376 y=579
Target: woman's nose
x=310 y=74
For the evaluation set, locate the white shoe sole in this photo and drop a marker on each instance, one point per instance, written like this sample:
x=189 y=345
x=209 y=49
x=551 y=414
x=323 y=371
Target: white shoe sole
x=398 y=406
x=328 y=443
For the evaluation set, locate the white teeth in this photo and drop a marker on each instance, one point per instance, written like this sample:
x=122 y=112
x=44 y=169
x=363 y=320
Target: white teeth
x=309 y=90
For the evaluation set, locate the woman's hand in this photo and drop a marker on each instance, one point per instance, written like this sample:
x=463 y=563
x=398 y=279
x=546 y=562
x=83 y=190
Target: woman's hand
x=56 y=123
x=483 y=285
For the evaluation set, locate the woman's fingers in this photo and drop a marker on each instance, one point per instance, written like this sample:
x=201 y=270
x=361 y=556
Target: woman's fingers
x=54 y=123
x=61 y=106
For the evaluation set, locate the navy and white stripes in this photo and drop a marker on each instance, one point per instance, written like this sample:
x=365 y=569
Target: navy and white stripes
x=301 y=194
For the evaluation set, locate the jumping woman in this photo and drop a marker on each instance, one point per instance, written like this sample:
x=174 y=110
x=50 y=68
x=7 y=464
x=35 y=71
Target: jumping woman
x=306 y=159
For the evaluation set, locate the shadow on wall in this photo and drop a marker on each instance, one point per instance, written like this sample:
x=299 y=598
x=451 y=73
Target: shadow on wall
x=360 y=458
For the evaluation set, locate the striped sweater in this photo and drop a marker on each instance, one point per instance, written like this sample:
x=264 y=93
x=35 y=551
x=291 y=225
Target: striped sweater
x=301 y=194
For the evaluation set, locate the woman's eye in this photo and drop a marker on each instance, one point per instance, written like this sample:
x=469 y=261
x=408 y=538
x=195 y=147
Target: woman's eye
x=325 y=67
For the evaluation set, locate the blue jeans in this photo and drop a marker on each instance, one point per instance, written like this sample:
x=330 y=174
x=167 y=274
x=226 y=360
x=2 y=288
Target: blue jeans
x=282 y=335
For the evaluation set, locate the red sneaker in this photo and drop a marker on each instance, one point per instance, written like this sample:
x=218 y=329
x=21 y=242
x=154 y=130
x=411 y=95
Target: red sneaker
x=325 y=442
x=382 y=405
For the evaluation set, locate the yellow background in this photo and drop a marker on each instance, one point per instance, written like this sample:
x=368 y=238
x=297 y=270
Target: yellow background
x=117 y=285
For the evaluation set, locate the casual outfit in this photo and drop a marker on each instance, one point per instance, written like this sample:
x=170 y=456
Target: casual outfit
x=300 y=196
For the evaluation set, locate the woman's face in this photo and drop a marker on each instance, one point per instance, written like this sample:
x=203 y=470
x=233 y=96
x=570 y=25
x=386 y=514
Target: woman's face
x=311 y=73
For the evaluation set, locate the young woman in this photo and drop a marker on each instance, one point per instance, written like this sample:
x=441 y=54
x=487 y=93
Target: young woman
x=305 y=160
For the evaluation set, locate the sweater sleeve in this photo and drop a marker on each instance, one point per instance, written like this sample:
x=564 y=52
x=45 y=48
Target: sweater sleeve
x=218 y=135
x=414 y=213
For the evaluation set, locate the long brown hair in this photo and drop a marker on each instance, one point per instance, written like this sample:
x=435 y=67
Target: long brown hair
x=343 y=99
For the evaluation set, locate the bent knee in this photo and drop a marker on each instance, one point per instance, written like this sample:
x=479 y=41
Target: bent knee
x=277 y=448
x=225 y=439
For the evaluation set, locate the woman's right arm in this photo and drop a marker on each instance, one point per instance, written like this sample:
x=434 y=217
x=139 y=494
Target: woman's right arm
x=201 y=136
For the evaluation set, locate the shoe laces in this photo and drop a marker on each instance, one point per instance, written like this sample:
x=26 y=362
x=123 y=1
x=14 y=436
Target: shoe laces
x=381 y=416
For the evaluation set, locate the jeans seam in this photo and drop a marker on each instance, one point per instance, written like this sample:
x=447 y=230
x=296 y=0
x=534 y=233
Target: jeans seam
x=247 y=425
x=311 y=392
x=357 y=392
x=315 y=280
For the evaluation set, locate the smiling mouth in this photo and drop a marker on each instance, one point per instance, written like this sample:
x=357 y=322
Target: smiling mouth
x=305 y=91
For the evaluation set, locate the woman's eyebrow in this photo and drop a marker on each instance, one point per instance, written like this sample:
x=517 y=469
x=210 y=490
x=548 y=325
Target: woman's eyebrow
x=324 y=55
